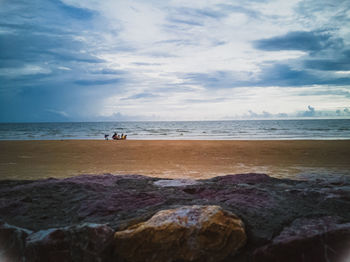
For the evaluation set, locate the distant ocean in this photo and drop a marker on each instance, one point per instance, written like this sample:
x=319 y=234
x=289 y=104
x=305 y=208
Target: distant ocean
x=207 y=130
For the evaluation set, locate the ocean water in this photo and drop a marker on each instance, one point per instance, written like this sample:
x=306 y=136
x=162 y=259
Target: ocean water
x=208 y=130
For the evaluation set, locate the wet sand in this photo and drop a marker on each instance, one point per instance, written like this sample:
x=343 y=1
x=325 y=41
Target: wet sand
x=172 y=158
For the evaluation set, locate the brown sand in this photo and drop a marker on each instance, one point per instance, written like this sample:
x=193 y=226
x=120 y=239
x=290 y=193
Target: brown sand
x=171 y=158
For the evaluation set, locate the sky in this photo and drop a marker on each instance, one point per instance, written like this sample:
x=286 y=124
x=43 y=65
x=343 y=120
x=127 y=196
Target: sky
x=116 y=60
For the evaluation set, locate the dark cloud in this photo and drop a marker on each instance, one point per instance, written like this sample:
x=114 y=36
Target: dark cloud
x=326 y=51
x=109 y=71
x=141 y=96
x=197 y=12
x=272 y=75
x=284 y=75
x=43 y=51
x=215 y=80
x=338 y=62
x=74 y=12
x=29 y=103
x=48 y=39
x=43 y=47
x=328 y=64
x=97 y=82
x=185 y=22
x=181 y=17
x=327 y=92
x=299 y=40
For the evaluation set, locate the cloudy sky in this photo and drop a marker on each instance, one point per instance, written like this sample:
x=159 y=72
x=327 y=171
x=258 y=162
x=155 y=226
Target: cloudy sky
x=90 y=60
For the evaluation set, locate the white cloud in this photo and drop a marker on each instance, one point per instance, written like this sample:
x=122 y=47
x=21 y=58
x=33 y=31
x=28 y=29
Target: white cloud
x=158 y=44
x=64 y=68
x=58 y=112
x=229 y=103
x=23 y=71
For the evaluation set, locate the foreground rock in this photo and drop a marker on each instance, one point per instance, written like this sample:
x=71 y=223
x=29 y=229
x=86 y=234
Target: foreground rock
x=191 y=233
x=12 y=242
x=86 y=242
x=322 y=240
x=269 y=208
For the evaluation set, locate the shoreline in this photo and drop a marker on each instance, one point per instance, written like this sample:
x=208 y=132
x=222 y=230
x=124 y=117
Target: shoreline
x=180 y=139
x=189 y=159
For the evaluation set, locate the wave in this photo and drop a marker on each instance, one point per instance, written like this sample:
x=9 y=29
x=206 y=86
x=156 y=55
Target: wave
x=319 y=129
x=315 y=129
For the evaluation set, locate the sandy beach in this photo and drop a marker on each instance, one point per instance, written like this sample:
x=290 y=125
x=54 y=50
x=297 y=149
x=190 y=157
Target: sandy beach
x=171 y=158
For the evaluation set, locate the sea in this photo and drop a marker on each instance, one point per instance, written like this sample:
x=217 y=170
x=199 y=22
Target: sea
x=192 y=130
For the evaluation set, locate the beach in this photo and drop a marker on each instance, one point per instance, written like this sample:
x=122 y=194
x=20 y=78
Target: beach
x=227 y=194
x=190 y=159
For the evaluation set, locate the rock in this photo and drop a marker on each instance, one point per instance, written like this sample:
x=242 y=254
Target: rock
x=12 y=242
x=266 y=205
x=321 y=239
x=175 y=182
x=119 y=201
x=250 y=198
x=86 y=242
x=189 y=233
x=243 y=178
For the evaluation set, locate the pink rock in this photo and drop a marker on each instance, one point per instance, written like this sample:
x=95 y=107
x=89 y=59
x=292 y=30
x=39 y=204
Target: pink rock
x=251 y=198
x=119 y=201
x=244 y=178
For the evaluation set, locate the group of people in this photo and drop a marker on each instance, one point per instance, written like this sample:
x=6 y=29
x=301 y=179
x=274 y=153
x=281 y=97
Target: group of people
x=116 y=136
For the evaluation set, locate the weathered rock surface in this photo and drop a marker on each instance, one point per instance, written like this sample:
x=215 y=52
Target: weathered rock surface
x=189 y=233
x=267 y=206
x=321 y=239
x=86 y=242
